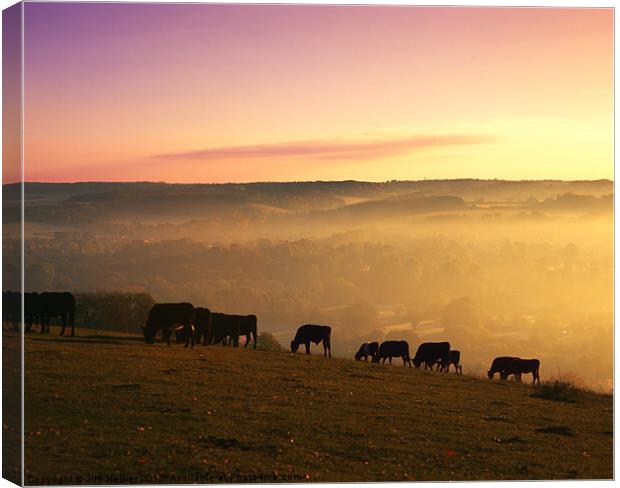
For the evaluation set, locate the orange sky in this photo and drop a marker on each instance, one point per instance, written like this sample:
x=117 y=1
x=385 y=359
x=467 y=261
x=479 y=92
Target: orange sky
x=215 y=93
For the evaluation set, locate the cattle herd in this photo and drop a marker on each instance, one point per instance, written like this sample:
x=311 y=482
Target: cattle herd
x=430 y=354
x=198 y=324
x=193 y=325
x=39 y=308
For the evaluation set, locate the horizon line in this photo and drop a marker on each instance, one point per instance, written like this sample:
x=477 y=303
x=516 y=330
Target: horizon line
x=161 y=182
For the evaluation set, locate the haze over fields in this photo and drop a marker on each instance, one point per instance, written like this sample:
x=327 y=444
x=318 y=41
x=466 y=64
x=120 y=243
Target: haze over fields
x=496 y=267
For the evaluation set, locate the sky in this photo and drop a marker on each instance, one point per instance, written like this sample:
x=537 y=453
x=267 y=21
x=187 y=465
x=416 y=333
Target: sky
x=236 y=93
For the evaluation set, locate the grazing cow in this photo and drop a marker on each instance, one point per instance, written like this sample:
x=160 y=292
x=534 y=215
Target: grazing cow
x=313 y=333
x=32 y=310
x=12 y=308
x=247 y=327
x=170 y=317
x=505 y=366
x=526 y=366
x=430 y=353
x=203 y=323
x=394 y=349
x=225 y=328
x=455 y=359
x=53 y=304
x=368 y=349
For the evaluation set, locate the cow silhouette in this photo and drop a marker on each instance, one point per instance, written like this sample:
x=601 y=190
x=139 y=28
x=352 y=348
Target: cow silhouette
x=57 y=304
x=313 y=333
x=394 y=349
x=170 y=317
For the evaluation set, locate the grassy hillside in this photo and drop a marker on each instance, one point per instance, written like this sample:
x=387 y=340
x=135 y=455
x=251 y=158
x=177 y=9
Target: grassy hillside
x=104 y=404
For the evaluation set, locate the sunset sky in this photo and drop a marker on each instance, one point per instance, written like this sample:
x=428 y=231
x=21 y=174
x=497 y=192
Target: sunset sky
x=218 y=93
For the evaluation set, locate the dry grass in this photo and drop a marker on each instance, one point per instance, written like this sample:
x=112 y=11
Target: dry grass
x=106 y=404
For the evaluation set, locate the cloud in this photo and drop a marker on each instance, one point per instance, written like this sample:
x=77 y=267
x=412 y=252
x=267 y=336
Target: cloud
x=343 y=149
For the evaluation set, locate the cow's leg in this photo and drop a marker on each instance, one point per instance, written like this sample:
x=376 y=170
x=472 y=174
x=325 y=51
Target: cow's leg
x=307 y=344
x=64 y=323
x=390 y=360
x=254 y=334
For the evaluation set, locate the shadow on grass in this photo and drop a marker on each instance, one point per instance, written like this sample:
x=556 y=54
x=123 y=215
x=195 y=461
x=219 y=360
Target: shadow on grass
x=558 y=391
x=86 y=339
x=556 y=429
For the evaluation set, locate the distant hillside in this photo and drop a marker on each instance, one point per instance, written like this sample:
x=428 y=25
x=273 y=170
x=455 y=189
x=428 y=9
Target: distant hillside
x=92 y=203
x=160 y=414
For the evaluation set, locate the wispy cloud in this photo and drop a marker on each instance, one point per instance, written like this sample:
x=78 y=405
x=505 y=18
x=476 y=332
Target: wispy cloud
x=343 y=149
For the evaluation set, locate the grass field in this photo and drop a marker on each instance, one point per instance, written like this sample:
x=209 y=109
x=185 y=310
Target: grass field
x=104 y=407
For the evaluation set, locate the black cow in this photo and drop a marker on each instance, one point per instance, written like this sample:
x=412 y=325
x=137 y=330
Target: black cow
x=313 y=333
x=169 y=317
x=394 y=349
x=225 y=328
x=204 y=326
x=505 y=366
x=54 y=304
x=526 y=366
x=368 y=349
x=455 y=359
x=247 y=327
x=32 y=310
x=12 y=308
x=430 y=353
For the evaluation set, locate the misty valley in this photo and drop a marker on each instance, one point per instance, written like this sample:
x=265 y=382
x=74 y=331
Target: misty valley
x=521 y=268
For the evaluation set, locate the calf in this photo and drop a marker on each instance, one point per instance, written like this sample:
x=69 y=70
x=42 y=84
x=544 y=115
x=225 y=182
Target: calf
x=313 y=333
x=368 y=349
x=394 y=349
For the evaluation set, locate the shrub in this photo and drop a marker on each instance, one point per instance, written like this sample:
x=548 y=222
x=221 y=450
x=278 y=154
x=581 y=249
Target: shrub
x=558 y=391
x=113 y=310
x=267 y=342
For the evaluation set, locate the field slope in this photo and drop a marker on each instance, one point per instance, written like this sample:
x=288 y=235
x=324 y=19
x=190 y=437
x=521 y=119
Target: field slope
x=106 y=408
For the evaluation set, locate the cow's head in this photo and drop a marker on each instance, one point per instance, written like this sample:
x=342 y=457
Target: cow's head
x=294 y=346
x=149 y=335
x=416 y=362
x=490 y=374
